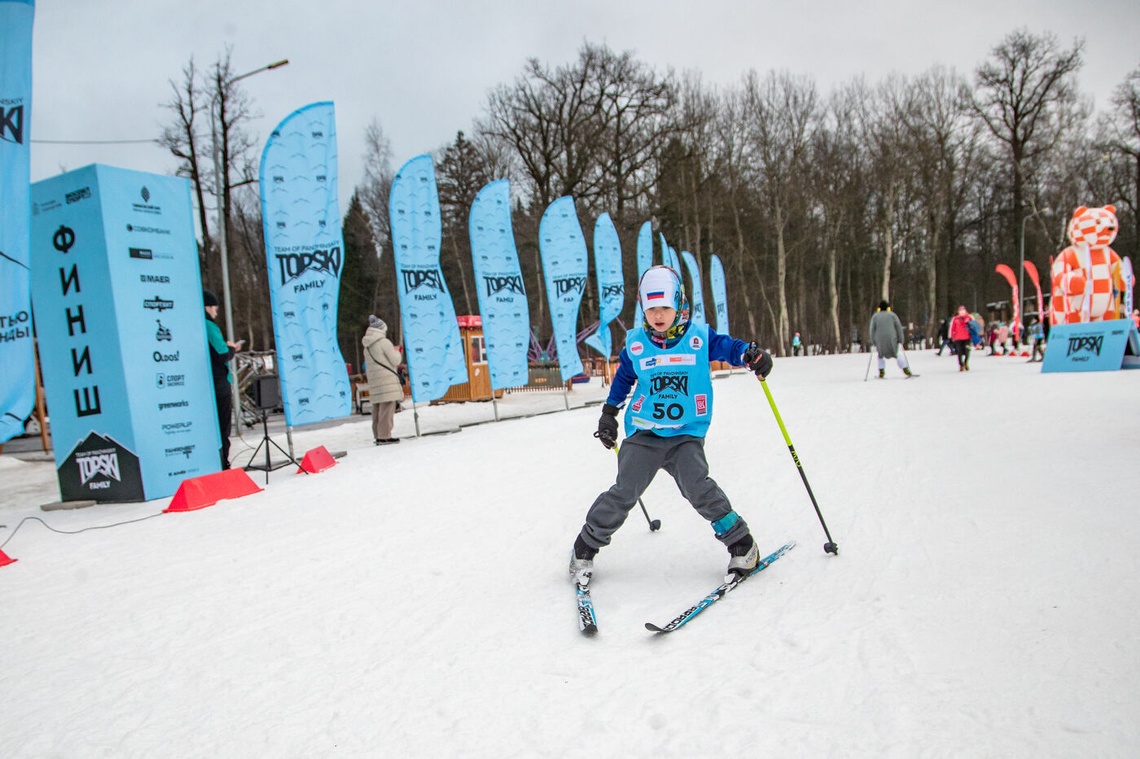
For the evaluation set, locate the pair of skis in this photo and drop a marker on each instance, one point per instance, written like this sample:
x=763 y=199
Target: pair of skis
x=588 y=621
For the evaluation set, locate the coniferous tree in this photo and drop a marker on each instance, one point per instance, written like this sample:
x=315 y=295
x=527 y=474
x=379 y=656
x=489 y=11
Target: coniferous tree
x=359 y=281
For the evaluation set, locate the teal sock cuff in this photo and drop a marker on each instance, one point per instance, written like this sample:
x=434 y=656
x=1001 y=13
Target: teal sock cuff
x=725 y=523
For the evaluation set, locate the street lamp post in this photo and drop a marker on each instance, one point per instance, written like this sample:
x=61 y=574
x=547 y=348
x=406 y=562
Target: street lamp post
x=221 y=188
x=1021 y=269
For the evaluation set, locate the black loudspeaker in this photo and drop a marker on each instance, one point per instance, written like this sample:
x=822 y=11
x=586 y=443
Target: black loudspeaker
x=265 y=392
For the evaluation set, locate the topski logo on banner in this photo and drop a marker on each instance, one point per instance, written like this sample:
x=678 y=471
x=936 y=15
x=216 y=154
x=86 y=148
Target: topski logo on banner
x=303 y=248
x=565 y=266
x=431 y=332
x=611 y=286
x=502 y=297
x=17 y=354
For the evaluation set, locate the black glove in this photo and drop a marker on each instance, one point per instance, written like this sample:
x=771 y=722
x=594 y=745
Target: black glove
x=758 y=360
x=608 y=426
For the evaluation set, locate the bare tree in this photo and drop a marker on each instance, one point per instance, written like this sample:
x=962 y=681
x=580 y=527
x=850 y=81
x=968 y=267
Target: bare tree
x=551 y=117
x=377 y=185
x=1124 y=139
x=729 y=134
x=186 y=141
x=590 y=129
x=1022 y=95
x=944 y=140
x=781 y=111
x=210 y=138
x=689 y=148
x=889 y=152
x=836 y=172
x=635 y=105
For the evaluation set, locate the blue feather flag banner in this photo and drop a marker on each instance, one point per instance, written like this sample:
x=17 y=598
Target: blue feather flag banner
x=611 y=284
x=565 y=267
x=17 y=346
x=696 y=298
x=644 y=261
x=433 y=346
x=499 y=283
x=719 y=293
x=669 y=257
x=304 y=253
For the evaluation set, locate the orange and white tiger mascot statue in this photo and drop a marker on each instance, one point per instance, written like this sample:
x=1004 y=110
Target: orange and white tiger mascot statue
x=1087 y=277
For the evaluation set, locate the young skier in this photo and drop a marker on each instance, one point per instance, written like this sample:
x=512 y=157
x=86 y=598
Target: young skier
x=666 y=365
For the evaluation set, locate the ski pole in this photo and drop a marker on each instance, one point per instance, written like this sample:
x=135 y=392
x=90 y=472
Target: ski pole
x=867 y=373
x=654 y=524
x=829 y=546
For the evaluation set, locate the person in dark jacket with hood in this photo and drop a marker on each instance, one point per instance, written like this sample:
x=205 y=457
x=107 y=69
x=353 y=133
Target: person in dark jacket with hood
x=221 y=352
x=886 y=333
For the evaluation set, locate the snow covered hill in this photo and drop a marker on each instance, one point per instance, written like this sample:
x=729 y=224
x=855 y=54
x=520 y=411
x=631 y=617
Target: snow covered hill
x=412 y=601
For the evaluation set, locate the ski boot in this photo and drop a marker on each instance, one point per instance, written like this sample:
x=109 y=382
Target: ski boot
x=745 y=556
x=582 y=561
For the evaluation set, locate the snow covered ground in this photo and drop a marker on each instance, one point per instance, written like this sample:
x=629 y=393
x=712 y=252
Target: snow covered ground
x=412 y=601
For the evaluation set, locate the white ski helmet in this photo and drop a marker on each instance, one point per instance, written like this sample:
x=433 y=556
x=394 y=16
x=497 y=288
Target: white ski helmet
x=662 y=286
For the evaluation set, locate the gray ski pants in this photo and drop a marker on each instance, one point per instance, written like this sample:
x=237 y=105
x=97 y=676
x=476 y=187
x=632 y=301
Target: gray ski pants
x=640 y=457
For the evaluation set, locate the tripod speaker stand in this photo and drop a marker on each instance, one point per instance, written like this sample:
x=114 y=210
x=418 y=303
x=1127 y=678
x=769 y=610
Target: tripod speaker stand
x=266 y=393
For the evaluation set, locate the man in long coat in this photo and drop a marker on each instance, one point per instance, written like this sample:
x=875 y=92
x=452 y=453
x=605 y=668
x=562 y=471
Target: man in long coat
x=886 y=333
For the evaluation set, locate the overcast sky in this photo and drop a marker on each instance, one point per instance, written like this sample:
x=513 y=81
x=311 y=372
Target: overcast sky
x=423 y=67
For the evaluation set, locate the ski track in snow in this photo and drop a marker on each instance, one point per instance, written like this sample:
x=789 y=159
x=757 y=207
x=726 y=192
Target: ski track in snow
x=413 y=600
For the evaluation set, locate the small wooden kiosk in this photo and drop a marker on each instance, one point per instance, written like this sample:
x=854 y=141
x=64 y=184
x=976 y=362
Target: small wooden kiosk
x=478 y=384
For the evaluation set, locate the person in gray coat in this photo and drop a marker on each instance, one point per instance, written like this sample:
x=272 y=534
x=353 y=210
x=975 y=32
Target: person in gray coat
x=384 y=388
x=886 y=333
